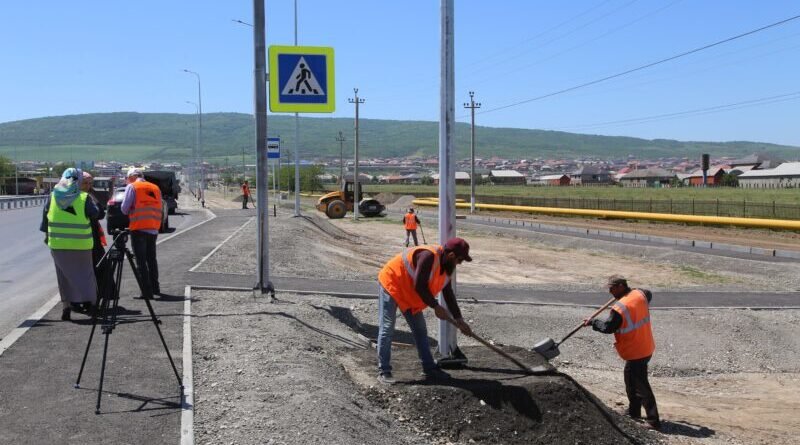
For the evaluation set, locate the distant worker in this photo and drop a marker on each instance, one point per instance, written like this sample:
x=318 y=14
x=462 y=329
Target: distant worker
x=411 y=221
x=66 y=221
x=245 y=194
x=410 y=281
x=142 y=203
x=629 y=321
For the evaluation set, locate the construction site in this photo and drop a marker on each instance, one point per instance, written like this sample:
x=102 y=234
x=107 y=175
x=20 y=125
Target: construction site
x=301 y=368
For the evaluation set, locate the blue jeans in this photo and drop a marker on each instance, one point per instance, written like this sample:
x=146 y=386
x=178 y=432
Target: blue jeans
x=387 y=312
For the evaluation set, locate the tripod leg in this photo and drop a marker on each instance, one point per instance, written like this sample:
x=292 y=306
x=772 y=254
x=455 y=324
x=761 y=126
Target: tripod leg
x=156 y=323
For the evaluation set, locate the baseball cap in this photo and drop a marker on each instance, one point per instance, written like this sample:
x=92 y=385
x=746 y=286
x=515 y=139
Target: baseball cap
x=613 y=280
x=459 y=247
x=133 y=171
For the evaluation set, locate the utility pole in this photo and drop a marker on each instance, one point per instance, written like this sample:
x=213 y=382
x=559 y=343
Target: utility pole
x=472 y=105
x=356 y=187
x=296 y=138
x=341 y=140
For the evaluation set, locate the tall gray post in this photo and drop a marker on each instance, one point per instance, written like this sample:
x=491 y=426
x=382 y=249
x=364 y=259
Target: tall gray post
x=472 y=105
x=296 y=138
x=447 y=175
x=341 y=140
x=356 y=186
x=260 y=102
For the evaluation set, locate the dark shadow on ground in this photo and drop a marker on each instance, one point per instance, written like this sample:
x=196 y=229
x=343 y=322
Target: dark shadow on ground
x=172 y=403
x=346 y=317
x=677 y=428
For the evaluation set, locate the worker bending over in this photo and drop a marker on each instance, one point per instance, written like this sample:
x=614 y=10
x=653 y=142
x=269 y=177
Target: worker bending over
x=410 y=281
x=629 y=321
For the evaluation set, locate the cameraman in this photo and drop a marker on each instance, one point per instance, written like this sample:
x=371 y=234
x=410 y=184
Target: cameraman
x=142 y=203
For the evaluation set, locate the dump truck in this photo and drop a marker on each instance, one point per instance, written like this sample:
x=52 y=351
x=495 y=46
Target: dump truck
x=337 y=204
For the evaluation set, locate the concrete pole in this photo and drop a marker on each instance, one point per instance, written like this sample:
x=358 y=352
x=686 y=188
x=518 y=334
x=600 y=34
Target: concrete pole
x=296 y=138
x=447 y=205
x=472 y=105
x=260 y=103
x=356 y=187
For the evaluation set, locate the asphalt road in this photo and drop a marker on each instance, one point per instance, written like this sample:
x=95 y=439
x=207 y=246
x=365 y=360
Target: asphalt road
x=27 y=275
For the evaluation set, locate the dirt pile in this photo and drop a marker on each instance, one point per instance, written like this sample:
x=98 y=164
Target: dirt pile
x=294 y=372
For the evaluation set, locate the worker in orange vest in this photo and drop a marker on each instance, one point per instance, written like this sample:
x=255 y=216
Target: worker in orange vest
x=629 y=321
x=410 y=281
x=245 y=194
x=411 y=222
x=142 y=204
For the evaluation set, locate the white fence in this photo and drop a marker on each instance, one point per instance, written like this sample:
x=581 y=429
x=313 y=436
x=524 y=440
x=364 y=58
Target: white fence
x=19 y=202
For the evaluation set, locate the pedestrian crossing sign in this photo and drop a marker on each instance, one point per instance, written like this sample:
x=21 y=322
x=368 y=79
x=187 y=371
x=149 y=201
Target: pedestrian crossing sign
x=301 y=79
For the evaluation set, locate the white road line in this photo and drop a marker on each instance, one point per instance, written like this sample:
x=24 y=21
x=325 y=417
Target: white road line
x=17 y=332
x=169 y=237
x=202 y=260
x=187 y=406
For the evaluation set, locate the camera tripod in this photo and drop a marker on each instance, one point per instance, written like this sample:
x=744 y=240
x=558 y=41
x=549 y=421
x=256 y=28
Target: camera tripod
x=107 y=304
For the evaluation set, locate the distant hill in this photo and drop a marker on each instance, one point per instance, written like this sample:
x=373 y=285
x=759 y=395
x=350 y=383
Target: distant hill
x=163 y=136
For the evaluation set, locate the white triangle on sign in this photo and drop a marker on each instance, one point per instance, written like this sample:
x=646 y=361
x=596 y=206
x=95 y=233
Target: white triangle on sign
x=302 y=82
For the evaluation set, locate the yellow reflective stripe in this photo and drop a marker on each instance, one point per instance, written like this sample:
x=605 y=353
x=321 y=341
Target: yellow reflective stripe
x=146 y=217
x=69 y=235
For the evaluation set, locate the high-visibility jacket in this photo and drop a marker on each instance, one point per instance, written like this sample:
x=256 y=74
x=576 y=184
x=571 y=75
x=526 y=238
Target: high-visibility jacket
x=146 y=211
x=67 y=230
x=634 y=338
x=245 y=190
x=102 y=232
x=410 y=221
x=397 y=277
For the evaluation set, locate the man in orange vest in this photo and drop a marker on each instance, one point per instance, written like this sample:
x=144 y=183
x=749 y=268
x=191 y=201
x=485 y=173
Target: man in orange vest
x=142 y=204
x=245 y=194
x=411 y=221
x=410 y=281
x=629 y=321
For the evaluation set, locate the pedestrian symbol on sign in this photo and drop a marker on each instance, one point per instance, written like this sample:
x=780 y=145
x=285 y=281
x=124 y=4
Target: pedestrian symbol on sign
x=302 y=81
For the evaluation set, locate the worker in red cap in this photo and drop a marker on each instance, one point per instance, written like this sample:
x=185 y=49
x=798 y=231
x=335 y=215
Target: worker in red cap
x=410 y=281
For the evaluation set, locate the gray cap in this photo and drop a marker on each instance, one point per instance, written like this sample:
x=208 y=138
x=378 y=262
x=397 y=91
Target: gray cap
x=616 y=279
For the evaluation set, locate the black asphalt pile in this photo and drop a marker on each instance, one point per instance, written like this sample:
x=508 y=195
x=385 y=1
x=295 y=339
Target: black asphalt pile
x=297 y=372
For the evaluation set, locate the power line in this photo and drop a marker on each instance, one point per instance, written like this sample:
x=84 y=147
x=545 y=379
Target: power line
x=649 y=65
x=698 y=111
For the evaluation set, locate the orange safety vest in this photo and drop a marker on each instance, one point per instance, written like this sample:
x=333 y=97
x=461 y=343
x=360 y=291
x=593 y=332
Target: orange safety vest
x=397 y=277
x=146 y=211
x=102 y=233
x=411 y=221
x=634 y=338
x=245 y=190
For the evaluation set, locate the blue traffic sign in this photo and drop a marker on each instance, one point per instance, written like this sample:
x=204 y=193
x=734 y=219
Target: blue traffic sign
x=273 y=148
x=301 y=79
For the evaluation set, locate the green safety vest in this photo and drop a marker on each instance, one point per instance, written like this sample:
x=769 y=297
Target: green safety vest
x=66 y=231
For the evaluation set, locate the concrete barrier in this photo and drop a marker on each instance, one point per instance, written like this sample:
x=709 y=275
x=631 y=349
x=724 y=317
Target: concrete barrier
x=19 y=202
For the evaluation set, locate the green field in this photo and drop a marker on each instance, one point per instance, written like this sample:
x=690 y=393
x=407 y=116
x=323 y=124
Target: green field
x=728 y=194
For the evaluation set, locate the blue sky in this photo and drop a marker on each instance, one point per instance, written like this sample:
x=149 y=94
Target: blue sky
x=85 y=56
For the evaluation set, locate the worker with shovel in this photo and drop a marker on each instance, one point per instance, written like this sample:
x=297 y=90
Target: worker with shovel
x=629 y=321
x=410 y=281
x=410 y=221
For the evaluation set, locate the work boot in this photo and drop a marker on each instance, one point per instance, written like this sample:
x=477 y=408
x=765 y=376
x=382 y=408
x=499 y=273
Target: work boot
x=654 y=425
x=436 y=375
x=65 y=314
x=386 y=378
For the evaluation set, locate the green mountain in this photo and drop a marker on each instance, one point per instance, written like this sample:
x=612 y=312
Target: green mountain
x=171 y=137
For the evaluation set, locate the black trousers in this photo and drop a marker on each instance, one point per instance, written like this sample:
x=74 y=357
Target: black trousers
x=244 y=201
x=639 y=392
x=144 y=249
x=413 y=233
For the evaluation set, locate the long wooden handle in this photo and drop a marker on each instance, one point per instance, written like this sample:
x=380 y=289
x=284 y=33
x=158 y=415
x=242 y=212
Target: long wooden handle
x=596 y=313
x=492 y=347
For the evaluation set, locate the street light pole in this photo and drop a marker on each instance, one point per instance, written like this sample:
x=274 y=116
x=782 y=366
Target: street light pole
x=197 y=133
x=341 y=140
x=296 y=138
x=199 y=136
x=472 y=105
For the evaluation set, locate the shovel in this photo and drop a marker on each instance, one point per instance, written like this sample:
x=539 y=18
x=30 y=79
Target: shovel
x=548 y=348
x=524 y=367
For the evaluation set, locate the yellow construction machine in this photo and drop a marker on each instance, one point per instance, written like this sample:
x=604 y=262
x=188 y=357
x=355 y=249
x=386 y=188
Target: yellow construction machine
x=337 y=204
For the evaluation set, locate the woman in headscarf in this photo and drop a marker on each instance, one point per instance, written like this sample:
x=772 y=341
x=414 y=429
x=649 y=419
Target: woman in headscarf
x=98 y=235
x=67 y=224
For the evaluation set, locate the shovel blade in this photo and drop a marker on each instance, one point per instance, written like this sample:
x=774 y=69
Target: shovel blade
x=547 y=348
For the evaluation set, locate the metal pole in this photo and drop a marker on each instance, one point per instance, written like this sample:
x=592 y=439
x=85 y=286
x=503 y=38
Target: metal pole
x=341 y=140
x=296 y=138
x=472 y=105
x=197 y=132
x=260 y=102
x=16 y=172
x=447 y=207
x=356 y=187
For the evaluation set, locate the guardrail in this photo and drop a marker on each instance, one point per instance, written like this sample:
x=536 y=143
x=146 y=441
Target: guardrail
x=20 y=202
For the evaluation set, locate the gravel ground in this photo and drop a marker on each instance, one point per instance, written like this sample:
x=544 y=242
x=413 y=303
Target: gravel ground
x=255 y=363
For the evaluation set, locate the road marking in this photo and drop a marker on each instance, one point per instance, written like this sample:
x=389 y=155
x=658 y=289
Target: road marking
x=187 y=405
x=169 y=237
x=202 y=260
x=17 y=332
